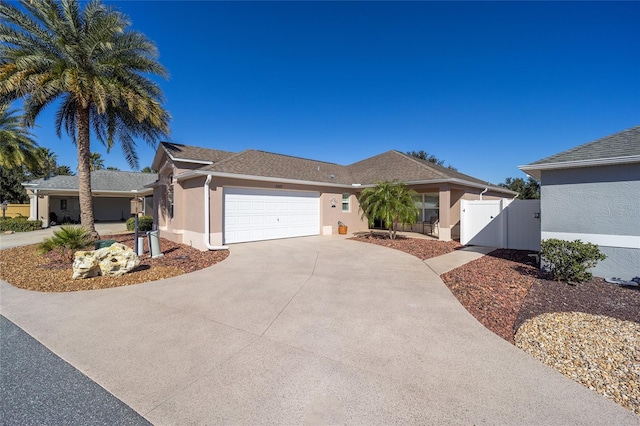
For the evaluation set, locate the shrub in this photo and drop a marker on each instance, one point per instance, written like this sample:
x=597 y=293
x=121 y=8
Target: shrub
x=67 y=239
x=145 y=223
x=19 y=224
x=568 y=261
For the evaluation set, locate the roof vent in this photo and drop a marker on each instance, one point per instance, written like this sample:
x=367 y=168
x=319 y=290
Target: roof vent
x=332 y=177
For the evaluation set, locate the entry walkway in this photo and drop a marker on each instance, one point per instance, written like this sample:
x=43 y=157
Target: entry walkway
x=317 y=330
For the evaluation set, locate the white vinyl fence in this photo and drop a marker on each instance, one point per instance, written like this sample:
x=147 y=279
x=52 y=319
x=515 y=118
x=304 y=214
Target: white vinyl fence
x=505 y=223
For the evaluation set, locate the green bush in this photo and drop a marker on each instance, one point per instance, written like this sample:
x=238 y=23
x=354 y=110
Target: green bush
x=19 y=224
x=145 y=223
x=568 y=261
x=67 y=239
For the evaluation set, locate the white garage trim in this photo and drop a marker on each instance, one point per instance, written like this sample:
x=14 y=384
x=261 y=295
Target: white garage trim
x=261 y=214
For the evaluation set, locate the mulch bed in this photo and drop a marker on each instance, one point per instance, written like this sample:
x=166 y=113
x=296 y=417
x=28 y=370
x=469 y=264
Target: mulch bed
x=505 y=288
x=421 y=248
x=25 y=268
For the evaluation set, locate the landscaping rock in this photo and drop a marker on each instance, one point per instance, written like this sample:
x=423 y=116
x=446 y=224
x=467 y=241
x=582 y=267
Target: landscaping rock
x=117 y=260
x=112 y=261
x=85 y=265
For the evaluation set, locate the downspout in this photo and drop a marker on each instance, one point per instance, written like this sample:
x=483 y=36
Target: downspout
x=485 y=190
x=207 y=235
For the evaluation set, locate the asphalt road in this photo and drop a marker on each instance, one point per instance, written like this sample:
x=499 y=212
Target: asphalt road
x=39 y=388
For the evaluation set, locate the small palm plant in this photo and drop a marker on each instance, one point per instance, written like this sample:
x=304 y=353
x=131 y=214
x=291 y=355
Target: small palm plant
x=391 y=203
x=67 y=239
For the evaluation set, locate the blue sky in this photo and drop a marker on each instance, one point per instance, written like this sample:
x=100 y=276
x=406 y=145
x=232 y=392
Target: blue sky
x=484 y=86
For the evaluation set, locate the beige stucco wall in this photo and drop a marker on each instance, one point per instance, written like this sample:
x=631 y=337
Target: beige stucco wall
x=187 y=225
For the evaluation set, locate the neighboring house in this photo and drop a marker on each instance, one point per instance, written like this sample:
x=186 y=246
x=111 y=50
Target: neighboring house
x=206 y=197
x=592 y=193
x=112 y=192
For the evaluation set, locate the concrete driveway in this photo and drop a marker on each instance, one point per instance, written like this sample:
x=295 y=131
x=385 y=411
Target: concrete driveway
x=317 y=330
x=34 y=237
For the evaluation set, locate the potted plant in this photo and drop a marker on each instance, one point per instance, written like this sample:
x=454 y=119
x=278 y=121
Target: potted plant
x=342 y=228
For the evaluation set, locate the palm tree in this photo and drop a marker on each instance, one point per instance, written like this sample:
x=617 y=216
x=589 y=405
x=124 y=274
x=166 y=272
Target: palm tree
x=96 y=162
x=95 y=66
x=17 y=148
x=63 y=171
x=48 y=163
x=391 y=203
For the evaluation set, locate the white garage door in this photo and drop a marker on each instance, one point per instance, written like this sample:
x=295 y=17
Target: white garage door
x=258 y=214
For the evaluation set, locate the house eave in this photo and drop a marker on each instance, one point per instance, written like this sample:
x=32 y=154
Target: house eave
x=463 y=182
x=195 y=173
x=535 y=170
x=94 y=193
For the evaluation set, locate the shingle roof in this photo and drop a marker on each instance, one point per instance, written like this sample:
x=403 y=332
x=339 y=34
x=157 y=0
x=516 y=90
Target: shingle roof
x=394 y=165
x=101 y=180
x=621 y=144
x=267 y=164
x=194 y=153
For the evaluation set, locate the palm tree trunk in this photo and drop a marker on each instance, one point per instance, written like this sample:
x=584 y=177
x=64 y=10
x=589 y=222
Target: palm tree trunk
x=84 y=173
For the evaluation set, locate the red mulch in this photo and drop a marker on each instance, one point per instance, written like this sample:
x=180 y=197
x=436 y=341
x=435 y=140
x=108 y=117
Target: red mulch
x=419 y=247
x=505 y=288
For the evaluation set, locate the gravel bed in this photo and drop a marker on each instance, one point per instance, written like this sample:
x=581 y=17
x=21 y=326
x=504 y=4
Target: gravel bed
x=600 y=352
x=25 y=268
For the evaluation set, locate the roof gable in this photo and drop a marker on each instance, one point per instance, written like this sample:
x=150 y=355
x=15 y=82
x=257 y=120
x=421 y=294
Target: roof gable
x=394 y=165
x=190 y=154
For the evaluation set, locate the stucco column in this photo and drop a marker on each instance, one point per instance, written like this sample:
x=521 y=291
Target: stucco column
x=444 y=230
x=43 y=211
x=33 y=206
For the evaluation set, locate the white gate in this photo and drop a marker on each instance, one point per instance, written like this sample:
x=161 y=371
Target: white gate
x=505 y=223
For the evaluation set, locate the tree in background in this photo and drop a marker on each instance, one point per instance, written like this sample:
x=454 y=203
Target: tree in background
x=96 y=162
x=17 y=148
x=527 y=190
x=48 y=166
x=63 y=171
x=148 y=170
x=423 y=155
x=95 y=66
x=11 y=189
x=391 y=203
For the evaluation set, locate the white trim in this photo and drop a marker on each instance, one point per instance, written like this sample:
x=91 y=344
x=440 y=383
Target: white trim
x=184 y=160
x=623 y=241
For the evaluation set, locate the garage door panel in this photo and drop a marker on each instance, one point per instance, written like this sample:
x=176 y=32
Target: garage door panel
x=254 y=214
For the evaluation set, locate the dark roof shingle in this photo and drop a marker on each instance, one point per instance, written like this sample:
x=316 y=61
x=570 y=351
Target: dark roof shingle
x=194 y=153
x=621 y=144
x=267 y=164
x=101 y=180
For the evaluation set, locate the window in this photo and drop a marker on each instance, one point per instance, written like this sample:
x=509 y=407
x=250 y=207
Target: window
x=63 y=204
x=429 y=206
x=346 y=205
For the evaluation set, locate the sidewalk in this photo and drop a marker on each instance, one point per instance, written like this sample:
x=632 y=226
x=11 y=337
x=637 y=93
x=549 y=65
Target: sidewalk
x=447 y=262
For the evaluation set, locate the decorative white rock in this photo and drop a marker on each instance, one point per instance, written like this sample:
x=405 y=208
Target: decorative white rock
x=112 y=261
x=85 y=265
